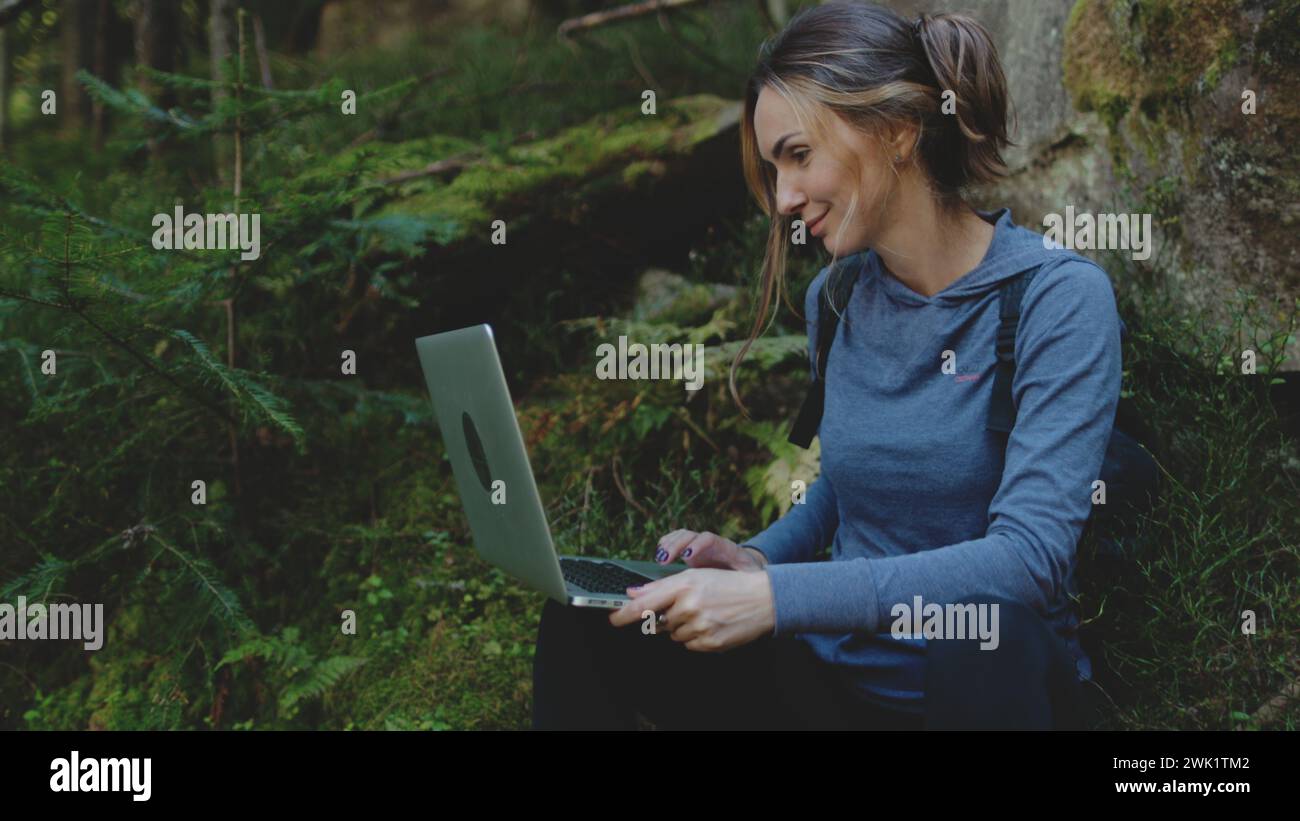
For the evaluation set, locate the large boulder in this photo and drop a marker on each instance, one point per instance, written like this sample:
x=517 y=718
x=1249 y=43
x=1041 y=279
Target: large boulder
x=1137 y=107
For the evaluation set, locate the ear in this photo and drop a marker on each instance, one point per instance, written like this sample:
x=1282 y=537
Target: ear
x=903 y=140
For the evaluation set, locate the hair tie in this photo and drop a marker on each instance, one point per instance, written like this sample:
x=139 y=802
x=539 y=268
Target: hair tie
x=917 y=25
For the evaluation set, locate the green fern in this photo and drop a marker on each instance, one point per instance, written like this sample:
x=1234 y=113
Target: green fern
x=770 y=485
x=299 y=675
x=314 y=681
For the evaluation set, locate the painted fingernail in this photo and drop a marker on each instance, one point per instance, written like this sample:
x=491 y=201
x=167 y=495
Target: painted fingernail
x=687 y=553
x=635 y=587
x=661 y=555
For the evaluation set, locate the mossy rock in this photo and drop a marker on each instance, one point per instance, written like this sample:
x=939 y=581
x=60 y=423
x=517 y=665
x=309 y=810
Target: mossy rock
x=667 y=297
x=618 y=153
x=1168 y=80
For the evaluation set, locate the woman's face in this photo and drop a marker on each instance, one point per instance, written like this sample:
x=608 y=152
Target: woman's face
x=814 y=186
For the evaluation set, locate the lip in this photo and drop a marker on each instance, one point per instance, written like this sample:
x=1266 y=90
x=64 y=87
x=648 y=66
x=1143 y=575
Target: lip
x=814 y=227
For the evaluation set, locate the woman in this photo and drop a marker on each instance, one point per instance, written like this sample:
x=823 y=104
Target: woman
x=867 y=128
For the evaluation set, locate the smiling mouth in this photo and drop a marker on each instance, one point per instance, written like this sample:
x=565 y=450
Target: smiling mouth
x=817 y=223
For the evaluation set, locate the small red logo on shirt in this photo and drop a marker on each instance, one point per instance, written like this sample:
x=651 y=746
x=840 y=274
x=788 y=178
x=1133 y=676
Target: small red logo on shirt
x=968 y=377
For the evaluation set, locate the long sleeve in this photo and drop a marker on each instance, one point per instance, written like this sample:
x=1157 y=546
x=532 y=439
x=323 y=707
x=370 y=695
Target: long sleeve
x=1066 y=389
x=804 y=529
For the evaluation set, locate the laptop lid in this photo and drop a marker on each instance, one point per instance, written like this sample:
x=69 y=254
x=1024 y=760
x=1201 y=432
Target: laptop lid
x=486 y=449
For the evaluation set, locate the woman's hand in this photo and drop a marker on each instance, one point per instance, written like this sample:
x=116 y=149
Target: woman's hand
x=710 y=610
x=707 y=550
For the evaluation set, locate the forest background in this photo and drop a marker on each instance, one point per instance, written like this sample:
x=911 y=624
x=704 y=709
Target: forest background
x=325 y=490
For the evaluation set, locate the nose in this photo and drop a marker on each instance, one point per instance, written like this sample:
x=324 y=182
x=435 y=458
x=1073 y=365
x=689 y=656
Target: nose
x=789 y=202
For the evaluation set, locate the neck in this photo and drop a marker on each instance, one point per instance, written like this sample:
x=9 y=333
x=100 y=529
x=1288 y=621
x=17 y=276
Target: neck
x=931 y=248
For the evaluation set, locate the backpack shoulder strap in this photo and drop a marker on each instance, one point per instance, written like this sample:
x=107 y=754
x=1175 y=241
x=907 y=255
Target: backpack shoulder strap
x=1002 y=410
x=828 y=322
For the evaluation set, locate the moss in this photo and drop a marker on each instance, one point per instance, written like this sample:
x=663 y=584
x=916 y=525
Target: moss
x=1277 y=46
x=637 y=172
x=137 y=681
x=619 y=147
x=1227 y=57
x=1164 y=197
x=1160 y=54
x=1149 y=56
x=1182 y=41
x=1097 y=74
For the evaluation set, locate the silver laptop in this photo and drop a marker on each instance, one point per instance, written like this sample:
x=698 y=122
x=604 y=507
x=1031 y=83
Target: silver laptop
x=496 y=484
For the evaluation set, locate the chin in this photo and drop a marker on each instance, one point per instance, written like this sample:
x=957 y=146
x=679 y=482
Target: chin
x=843 y=248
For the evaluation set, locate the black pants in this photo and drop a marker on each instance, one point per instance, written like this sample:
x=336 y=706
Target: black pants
x=588 y=674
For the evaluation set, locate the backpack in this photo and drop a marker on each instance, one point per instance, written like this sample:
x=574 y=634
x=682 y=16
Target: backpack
x=1128 y=467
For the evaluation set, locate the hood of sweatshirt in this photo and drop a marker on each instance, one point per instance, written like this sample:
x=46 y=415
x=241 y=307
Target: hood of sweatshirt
x=1013 y=249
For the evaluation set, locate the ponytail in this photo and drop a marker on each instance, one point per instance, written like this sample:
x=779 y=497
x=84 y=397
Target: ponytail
x=964 y=139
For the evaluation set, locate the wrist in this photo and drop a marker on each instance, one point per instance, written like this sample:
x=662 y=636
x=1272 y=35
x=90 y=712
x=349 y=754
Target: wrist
x=769 y=603
x=757 y=560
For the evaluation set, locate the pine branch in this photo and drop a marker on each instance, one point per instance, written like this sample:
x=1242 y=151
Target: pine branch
x=207 y=583
x=270 y=407
x=159 y=372
x=5 y=292
x=77 y=307
x=48 y=572
x=132 y=101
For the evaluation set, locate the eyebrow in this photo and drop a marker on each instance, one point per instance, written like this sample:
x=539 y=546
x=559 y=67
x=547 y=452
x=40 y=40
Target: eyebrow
x=780 y=144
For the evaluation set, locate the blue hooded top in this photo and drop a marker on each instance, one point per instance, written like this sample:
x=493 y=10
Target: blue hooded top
x=914 y=496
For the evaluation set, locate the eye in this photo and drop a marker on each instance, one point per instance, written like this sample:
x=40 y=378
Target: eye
x=799 y=157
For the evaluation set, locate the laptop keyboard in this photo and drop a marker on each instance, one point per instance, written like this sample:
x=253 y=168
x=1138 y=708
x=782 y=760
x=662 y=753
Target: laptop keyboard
x=600 y=577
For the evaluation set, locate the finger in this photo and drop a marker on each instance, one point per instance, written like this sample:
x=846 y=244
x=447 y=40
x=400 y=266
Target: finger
x=691 y=632
x=670 y=534
x=695 y=636
x=677 y=618
x=701 y=644
x=657 y=596
x=666 y=539
x=684 y=632
x=689 y=544
x=673 y=546
x=692 y=550
x=702 y=552
x=630 y=612
x=639 y=590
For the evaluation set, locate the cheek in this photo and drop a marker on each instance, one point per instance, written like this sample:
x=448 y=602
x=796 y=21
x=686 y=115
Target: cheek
x=875 y=184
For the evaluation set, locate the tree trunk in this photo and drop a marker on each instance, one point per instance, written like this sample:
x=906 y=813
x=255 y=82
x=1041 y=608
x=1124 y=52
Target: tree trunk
x=143 y=17
x=77 y=23
x=6 y=80
x=102 y=15
x=219 y=35
x=157 y=31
